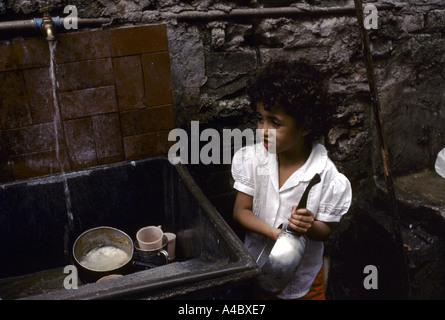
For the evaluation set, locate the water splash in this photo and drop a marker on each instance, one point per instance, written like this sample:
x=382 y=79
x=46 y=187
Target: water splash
x=58 y=120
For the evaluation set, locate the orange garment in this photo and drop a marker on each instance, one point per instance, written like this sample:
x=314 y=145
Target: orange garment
x=316 y=292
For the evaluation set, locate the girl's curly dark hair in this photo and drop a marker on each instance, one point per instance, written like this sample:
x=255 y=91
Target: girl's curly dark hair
x=298 y=88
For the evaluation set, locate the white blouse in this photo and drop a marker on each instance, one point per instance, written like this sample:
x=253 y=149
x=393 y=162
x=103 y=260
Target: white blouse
x=255 y=172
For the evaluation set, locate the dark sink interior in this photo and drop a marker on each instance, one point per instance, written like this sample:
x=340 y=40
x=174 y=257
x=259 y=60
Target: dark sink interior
x=37 y=234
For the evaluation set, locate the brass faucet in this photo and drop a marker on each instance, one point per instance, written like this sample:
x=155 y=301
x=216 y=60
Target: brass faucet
x=48 y=26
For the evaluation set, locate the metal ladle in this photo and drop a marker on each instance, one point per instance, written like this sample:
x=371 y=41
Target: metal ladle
x=280 y=260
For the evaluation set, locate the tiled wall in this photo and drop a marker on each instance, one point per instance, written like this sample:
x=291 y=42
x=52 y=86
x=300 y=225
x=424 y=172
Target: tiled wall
x=114 y=98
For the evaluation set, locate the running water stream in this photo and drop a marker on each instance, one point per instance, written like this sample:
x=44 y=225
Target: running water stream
x=58 y=120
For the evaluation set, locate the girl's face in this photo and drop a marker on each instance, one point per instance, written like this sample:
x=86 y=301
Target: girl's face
x=289 y=136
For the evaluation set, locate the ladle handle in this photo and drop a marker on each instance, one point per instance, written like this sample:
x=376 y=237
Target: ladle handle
x=303 y=201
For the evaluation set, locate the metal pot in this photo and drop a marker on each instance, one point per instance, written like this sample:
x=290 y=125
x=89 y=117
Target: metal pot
x=98 y=238
x=279 y=260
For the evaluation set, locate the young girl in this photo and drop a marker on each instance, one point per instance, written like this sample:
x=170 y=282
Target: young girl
x=288 y=99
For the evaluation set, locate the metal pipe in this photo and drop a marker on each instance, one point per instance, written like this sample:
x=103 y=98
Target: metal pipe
x=29 y=24
x=17 y=25
x=267 y=12
x=218 y=15
x=90 y=21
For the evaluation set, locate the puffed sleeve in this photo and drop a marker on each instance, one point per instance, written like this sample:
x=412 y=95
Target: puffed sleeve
x=242 y=170
x=336 y=199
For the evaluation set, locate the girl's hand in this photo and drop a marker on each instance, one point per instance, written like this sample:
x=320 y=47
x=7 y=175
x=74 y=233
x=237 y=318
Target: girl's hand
x=301 y=220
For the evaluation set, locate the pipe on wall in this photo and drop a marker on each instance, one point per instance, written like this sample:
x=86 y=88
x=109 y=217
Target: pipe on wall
x=29 y=24
x=218 y=15
x=268 y=12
